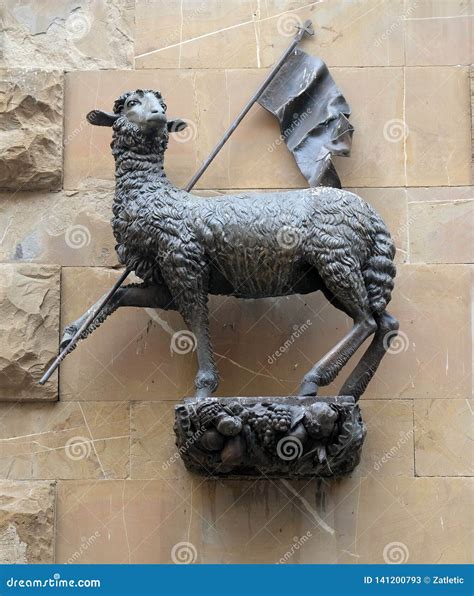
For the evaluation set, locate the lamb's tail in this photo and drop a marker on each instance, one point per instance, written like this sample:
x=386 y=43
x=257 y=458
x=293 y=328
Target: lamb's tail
x=380 y=271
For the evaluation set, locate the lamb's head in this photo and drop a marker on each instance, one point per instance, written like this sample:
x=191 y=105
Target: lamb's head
x=142 y=113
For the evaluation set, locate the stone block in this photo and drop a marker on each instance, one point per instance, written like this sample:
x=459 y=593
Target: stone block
x=29 y=324
x=27 y=522
x=438 y=32
x=65 y=228
x=68 y=34
x=443 y=437
x=31 y=128
x=248 y=33
x=437 y=126
x=87 y=440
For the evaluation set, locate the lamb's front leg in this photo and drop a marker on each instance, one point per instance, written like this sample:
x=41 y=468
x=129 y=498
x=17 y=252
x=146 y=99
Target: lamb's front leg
x=196 y=316
x=148 y=296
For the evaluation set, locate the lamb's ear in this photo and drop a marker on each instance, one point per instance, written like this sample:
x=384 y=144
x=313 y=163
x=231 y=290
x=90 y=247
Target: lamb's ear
x=176 y=125
x=100 y=118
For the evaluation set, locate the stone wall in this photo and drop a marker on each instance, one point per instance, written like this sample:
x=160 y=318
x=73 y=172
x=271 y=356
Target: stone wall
x=94 y=477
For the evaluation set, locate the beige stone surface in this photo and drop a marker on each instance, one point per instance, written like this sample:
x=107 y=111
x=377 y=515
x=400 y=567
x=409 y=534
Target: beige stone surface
x=31 y=126
x=432 y=355
x=27 y=513
x=438 y=32
x=202 y=34
x=67 y=228
x=443 y=437
x=209 y=100
x=354 y=520
x=29 y=325
x=68 y=34
x=153 y=452
x=64 y=440
x=133 y=521
x=248 y=33
x=129 y=356
x=442 y=194
x=471 y=76
x=441 y=232
x=358 y=33
x=437 y=120
x=388 y=448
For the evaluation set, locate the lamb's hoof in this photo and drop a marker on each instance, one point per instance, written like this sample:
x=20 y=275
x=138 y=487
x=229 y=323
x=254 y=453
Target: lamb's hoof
x=68 y=334
x=308 y=389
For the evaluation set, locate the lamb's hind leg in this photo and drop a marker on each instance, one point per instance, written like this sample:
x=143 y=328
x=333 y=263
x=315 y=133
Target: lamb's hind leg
x=345 y=287
x=148 y=296
x=387 y=327
x=329 y=366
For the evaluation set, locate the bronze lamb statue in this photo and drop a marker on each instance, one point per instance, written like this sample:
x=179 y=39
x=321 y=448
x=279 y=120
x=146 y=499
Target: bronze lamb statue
x=185 y=247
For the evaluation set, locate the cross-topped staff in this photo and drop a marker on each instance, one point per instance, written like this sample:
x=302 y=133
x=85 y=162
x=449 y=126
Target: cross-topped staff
x=305 y=29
